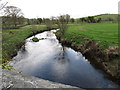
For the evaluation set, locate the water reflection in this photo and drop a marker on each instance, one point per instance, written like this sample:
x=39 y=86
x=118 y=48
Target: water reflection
x=61 y=57
x=49 y=60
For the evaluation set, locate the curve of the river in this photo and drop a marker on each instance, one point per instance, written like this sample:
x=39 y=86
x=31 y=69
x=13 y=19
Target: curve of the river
x=48 y=59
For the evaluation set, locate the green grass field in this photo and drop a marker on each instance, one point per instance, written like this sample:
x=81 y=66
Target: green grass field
x=12 y=39
x=106 y=34
x=106 y=17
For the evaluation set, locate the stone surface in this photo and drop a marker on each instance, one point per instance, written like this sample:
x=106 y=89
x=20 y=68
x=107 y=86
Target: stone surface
x=12 y=79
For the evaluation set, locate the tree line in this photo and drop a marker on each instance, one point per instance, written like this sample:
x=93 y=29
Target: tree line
x=14 y=18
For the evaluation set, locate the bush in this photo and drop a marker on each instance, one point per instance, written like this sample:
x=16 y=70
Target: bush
x=35 y=39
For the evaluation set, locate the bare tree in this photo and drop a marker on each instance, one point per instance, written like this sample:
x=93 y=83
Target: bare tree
x=67 y=18
x=2 y=5
x=48 y=23
x=53 y=19
x=14 y=13
x=62 y=22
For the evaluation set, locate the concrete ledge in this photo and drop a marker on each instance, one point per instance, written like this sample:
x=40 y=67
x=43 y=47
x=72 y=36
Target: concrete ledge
x=17 y=80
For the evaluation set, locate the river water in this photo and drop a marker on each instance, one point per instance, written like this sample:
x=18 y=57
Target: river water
x=49 y=60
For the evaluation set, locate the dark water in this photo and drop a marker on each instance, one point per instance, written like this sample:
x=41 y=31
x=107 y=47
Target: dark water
x=47 y=59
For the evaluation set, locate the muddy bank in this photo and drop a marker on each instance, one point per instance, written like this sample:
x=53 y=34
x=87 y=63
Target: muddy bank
x=97 y=56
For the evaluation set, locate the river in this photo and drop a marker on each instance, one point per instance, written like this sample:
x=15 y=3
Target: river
x=49 y=60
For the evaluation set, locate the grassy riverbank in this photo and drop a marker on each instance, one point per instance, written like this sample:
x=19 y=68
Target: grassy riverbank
x=13 y=39
x=105 y=35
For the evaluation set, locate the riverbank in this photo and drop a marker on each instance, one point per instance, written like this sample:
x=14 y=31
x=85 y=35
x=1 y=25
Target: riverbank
x=13 y=39
x=78 y=38
x=98 y=43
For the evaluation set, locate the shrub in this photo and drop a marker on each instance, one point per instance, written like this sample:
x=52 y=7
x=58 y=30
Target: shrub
x=35 y=39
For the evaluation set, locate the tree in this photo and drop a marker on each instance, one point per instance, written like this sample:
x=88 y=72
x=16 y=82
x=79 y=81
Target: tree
x=14 y=13
x=83 y=19
x=72 y=20
x=48 y=23
x=67 y=18
x=62 y=22
x=53 y=19
x=28 y=21
x=21 y=20
x=90 y=19
x=99 y=20
x=40 y=20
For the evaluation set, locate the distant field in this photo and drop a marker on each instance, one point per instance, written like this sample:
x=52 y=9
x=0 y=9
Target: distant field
x=106 y=17
x=106 y=34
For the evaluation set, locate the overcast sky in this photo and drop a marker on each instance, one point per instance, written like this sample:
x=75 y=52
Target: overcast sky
x=75 y=8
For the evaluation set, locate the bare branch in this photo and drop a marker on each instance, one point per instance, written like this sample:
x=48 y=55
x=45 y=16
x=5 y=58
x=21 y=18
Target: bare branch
x=3 y=5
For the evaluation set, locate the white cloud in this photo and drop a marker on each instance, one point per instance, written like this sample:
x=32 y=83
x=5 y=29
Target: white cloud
x=76 y=8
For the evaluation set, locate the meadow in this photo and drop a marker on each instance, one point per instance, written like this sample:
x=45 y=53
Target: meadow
x=106 y=34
